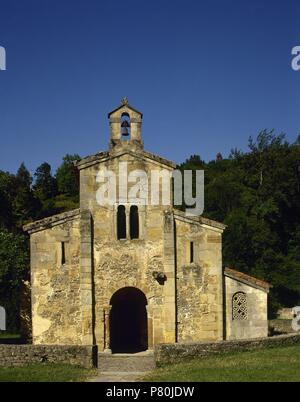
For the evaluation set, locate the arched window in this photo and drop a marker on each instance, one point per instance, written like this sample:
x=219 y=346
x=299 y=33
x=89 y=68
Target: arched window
x=239 y=306
x=121 y=222
x=125 y=126
x=134 y=222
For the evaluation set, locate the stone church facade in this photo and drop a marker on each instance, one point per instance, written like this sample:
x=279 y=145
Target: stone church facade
x=125 y=277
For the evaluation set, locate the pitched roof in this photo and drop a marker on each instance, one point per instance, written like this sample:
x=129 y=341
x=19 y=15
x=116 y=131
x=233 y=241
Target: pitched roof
x=247 y=279
x=124 y=105
x=51 y=221
x=199 y=219
x=91 y=160
x=102 y=156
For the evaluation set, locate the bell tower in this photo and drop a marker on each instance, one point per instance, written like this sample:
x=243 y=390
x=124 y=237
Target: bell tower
x=125 y=127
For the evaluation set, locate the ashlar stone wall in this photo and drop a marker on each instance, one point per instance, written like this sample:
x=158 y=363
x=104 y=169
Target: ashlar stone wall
x=199 y=283
x=174 y=353
x=78 y=263
x=23 y=355
x=255 y=322
x=130 y=263
x=56 y=309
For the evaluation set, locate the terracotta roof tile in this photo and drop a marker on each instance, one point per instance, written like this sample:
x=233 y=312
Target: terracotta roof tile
x=240 y=276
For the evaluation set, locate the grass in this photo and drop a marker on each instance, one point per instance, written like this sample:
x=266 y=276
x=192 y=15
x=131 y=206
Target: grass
x=266 y=365
x=9 y=338
x=9 y=335
x=45 y=373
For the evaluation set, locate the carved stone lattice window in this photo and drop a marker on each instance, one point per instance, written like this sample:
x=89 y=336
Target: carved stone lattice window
x=239 y=306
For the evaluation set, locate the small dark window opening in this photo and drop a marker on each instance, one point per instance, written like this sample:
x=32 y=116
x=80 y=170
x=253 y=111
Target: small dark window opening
x=134 y=222
x=125 y=127
x=121 y=222
x=63 y=253
x=191 y=252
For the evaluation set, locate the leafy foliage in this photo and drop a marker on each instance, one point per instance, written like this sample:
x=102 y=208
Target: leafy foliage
x=67 y=176
x=45 y=185
x=23 y=200
x=257 y=194
x=14 y=261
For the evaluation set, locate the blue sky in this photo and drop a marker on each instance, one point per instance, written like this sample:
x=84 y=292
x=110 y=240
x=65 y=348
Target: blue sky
x=206 y=75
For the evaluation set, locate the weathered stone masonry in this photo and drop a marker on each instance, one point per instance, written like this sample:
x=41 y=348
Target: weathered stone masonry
x=173 y=353
x=166 y=285
x=22 y=355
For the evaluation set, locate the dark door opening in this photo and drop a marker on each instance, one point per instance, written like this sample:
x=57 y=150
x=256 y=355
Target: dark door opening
x=128 y=321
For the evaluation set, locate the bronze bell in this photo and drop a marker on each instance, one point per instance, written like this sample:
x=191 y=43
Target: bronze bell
x=125 y=126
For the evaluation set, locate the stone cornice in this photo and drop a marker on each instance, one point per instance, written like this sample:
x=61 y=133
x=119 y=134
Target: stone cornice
x=104 y=156
x=51 y=221
x=200 y=220
x=123 y=106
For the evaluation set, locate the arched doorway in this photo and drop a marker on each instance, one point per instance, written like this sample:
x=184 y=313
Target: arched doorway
x=128 y=321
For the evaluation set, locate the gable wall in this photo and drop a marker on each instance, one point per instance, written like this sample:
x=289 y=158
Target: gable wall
x=123 y=263
x=256 y=324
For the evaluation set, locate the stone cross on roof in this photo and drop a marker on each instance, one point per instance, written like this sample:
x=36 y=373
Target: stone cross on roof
x=124 y=101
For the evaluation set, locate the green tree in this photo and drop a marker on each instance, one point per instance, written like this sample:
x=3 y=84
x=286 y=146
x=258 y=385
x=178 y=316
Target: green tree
x=257 y=195
x=45 y=184
x=14 y=268
x=67 y=176
x=7 y=184
x=26 y=206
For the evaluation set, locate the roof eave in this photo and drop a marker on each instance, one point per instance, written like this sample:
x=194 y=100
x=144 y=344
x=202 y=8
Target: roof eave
x=247 y=280
x=51 y=221
x=103 y=156
x=128 y=106
x=200 y=220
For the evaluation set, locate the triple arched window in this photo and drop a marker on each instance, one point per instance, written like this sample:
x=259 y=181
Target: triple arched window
x=239 y=306
x=133 y=222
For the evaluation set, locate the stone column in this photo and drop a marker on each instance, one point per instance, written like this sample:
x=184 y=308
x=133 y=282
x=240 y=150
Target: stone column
x=214 y=255
x=136 y=125
x=150 y=327
x=170 y=285
x=115 y=128
x=86 y=287
x=127 y=209
x=106 y=322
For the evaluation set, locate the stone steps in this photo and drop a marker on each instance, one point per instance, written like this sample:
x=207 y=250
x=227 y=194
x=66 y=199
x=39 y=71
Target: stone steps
x=129 y=363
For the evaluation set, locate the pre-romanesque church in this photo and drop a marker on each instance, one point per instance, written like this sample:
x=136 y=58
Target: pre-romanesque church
x=127 y=276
